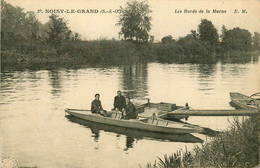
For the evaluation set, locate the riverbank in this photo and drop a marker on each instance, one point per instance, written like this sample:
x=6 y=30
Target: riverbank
x=112 y=52
x=236 y=147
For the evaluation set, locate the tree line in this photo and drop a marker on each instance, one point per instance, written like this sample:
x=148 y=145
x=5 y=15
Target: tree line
x=25 y=39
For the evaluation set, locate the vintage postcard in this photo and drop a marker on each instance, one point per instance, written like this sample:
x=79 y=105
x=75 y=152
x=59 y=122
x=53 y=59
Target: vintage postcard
x=130 y=83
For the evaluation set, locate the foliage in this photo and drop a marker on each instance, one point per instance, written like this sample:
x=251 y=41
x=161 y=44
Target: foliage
x=58 y=31
x=168 y=52
x=237 y=147
x=237 y=39
x=193 y=49
x=135 y=21
x=19 y=29
x=25 y=40
x=256 y=41
x=223 y=33
x=167 y=39
x=194 y=34
x=207 y=33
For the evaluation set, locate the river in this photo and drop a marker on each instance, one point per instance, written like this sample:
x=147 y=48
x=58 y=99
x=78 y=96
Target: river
x=35 y=131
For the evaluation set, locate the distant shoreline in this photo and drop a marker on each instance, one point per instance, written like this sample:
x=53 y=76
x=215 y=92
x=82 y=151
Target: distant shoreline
x=109 y=52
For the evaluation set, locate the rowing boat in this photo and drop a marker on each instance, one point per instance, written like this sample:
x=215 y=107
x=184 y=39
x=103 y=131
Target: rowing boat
x=245 y=102
x=133 y=133
x=153 y=124
x=162 y=110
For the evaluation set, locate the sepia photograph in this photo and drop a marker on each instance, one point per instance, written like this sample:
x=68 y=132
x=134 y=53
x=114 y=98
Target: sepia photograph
x=130 y=84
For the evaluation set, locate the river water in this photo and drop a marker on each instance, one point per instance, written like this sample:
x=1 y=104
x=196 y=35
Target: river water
x=35 y=131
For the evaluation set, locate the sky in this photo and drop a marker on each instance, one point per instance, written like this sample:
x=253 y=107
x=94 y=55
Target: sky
x=166 y=16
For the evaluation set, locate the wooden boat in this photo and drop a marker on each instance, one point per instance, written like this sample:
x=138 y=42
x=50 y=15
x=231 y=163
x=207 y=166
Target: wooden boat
x=153 y=124
x=133 y=133
x=245 y=102
x=162 y=110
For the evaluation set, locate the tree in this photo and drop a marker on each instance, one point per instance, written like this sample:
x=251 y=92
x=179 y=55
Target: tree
x=19 y=29
x=194 y=34
x=237 y=39
x=135 y=21
x=207 y=33
x=31 y=26
x=256 y=41
x=167 y=39
x=151 y=39
x=58 y=31
x=223 y=33
x=193 y=48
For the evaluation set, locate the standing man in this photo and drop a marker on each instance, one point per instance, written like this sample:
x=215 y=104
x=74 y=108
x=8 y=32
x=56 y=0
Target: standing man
x=119 y=102
x=130 y=111
x=96 y=106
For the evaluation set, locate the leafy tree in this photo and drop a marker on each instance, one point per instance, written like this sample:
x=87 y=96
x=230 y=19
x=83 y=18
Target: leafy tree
x=76 y=36
x=12 y=18
x=194 y=34
x=183 y=40
x=20 y=29
x=135 y=21
x=192 y=48
x=169 y=52
x=167 y=39
x=223 y=33
x=151 y=39
x=207 y=33
x=256 y=41
x=58 y=31
x=237 y=39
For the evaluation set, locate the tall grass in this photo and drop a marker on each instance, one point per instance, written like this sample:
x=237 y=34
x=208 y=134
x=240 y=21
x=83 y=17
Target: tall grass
x=237 y=147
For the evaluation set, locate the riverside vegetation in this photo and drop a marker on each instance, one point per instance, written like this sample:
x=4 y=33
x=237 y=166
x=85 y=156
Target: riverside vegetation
x=237 y=147
x=26 y=41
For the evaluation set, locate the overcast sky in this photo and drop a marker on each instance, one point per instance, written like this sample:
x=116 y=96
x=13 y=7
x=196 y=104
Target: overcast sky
x=164 y=19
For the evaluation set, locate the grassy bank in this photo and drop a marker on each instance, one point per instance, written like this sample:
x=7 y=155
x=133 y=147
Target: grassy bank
x=102 y=51
x=237 y=147
x=113 y=52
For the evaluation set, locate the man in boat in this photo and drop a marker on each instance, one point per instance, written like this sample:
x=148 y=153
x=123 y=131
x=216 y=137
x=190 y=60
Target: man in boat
x=119 y=102
x=130 y=110
x=96 y=106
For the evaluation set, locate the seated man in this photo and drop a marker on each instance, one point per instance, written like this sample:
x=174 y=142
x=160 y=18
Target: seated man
x=96 y=106
x=119 y=101
x=130 y=111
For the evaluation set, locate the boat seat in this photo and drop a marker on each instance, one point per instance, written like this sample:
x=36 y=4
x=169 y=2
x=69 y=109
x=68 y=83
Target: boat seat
x=162 y=123
x=116 y=115
x=150 y=121
x=157 y=122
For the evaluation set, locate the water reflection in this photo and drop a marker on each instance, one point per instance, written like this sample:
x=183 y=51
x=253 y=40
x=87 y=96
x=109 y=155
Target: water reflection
x=206 y=77
x=55 y=82
x=134 y=80
x=95 y=133
x=241 y=59
x=133 y=134
x=129 y=142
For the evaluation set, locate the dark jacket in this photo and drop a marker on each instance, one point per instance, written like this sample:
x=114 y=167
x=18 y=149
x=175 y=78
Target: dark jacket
x=96 y=106
x=119 y=102
x=131 y=112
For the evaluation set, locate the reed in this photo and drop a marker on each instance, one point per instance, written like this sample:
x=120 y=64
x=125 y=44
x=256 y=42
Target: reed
x=236 y=147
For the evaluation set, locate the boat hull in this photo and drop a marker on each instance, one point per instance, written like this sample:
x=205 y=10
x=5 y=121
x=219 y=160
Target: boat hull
x=133 y=133
x=170 y=128
x=243 y=101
